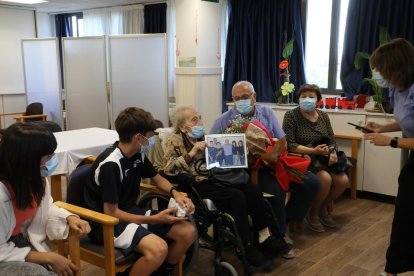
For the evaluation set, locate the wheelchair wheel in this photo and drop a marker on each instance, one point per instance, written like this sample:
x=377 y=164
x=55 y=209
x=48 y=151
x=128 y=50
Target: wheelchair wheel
x=222 y=268
x=160 y=202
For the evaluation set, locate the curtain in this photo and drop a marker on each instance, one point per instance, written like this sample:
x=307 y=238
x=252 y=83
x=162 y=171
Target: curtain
x=116 y=20
x=256 y=35
x=63 y=24
x=171 y=46
x=155 y=18
x=362 y=35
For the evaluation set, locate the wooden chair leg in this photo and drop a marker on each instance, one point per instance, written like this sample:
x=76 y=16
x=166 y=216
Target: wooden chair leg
x=179 y=268
x=108 y=235
x=74 y=249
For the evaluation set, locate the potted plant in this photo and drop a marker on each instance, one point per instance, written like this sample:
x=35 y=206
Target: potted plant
x=360 y=59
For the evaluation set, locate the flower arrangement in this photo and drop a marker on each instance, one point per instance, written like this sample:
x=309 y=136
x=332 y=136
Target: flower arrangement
x=287 y=88
x=236 y=125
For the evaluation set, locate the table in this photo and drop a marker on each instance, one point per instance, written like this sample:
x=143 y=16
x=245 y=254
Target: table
x=75 y=145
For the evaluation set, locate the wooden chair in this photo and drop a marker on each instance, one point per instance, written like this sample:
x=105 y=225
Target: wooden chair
x=34 y=112
x=3 y=115
x=105 y=256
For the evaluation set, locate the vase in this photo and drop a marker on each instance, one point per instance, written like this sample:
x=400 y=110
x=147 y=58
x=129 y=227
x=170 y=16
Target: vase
x=288 y=99
x=374 y=107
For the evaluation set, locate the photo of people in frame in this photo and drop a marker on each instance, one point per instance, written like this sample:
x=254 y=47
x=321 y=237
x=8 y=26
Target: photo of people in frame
x=226 y=151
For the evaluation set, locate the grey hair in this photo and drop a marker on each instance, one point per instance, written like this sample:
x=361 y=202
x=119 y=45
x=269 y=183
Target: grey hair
x=243 y=82
x=177 y=116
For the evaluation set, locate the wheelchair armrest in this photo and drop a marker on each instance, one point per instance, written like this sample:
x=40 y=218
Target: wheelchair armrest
x=88 y=214
x=155 y=190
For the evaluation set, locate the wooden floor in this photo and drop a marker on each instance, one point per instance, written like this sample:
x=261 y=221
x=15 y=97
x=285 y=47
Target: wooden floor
x=357 y=247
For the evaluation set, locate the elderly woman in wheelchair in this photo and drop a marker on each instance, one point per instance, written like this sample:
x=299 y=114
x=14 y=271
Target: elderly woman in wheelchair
x=183 y=148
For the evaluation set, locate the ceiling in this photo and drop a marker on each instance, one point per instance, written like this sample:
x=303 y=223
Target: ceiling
x=57 y=6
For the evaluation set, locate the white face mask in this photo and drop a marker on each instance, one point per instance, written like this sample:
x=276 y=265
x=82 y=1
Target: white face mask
x=307 y=104
x=380 y=79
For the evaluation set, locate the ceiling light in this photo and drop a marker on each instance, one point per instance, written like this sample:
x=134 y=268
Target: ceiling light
x=26 y=1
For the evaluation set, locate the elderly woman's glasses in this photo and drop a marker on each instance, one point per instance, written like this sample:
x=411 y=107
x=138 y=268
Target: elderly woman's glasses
x=242 y=97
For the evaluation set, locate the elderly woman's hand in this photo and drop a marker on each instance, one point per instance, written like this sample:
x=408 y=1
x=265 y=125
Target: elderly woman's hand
x=199 y=146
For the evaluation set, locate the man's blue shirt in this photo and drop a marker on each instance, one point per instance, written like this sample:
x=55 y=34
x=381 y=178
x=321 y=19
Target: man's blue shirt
x=263 y=114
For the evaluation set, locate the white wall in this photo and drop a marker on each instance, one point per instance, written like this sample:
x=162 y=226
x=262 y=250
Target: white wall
x=199 y=86
x=45 y=24
x=15 y=24
x=199 y=20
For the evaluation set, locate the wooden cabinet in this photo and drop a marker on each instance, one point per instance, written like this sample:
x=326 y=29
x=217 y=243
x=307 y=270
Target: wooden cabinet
x=382 y=165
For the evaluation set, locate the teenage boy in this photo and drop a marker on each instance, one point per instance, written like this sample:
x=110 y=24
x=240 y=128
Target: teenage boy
x=114 y=186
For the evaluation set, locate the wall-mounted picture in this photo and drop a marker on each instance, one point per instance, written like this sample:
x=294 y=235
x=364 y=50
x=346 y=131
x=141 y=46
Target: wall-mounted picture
x=226 y=151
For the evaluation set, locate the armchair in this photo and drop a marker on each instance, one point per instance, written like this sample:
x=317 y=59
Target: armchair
x=34 y=112
x=105 y=256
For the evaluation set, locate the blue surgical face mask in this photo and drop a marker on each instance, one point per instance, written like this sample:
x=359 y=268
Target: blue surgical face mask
x=49 y=167
x=151 y=142
x=307 y=104
x=380 y=79
x=244 y=107
x=196 y=132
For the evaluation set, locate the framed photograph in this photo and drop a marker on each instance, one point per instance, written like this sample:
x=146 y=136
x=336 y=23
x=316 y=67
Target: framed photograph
x=226 y=151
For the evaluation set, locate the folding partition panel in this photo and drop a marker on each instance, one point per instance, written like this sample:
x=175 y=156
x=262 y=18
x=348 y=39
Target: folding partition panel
x=85 y=82
x=42 y=76
x=138 y=74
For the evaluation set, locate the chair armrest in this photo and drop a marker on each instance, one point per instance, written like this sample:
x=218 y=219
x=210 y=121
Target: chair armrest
x=22 y=118
x=88 y=214
x=12 y=113
x=347 y=136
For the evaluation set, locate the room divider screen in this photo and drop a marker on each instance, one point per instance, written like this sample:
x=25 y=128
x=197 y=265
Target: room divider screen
x=42 y=76
x=84 y=63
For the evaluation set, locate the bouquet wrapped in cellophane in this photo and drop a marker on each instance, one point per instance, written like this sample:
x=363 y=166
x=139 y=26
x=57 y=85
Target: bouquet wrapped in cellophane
x=264 y=150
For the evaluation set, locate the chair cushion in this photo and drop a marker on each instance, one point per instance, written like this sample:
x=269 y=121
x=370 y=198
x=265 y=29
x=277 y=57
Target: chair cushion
x=120 y=259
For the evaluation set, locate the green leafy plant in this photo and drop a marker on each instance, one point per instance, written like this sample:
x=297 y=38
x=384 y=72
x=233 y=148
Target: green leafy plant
x=287 y=87
x=362 y=57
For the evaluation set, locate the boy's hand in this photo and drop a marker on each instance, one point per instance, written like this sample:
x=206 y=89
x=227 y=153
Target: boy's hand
x=167 y=216
x=184 y=202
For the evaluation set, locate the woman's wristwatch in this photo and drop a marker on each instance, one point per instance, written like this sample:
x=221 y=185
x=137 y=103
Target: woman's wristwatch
x=394 y=142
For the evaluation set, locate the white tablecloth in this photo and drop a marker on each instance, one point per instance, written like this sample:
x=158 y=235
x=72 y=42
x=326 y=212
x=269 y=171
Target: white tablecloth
x=75 y=145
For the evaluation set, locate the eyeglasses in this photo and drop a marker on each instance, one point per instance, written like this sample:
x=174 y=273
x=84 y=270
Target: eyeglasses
x=242 y=97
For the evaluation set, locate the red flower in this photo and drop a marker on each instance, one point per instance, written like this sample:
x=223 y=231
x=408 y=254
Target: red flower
x=283 y=64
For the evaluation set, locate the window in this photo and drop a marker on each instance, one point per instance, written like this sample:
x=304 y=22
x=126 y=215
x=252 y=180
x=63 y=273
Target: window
x=77 y=24
x=325 y=28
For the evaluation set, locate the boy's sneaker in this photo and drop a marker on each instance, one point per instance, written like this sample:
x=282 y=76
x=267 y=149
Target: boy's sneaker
x=315 y=224
x=289 y=255
x=327 y=220
x=273 y=246
x=255 y=258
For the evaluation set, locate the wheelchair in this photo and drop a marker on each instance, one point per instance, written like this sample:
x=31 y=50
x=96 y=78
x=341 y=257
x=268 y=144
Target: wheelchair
x=224 y=233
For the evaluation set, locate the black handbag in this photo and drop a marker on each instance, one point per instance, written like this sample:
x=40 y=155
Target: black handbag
x=343 y=164
x=223 y=177
x=229 y=177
